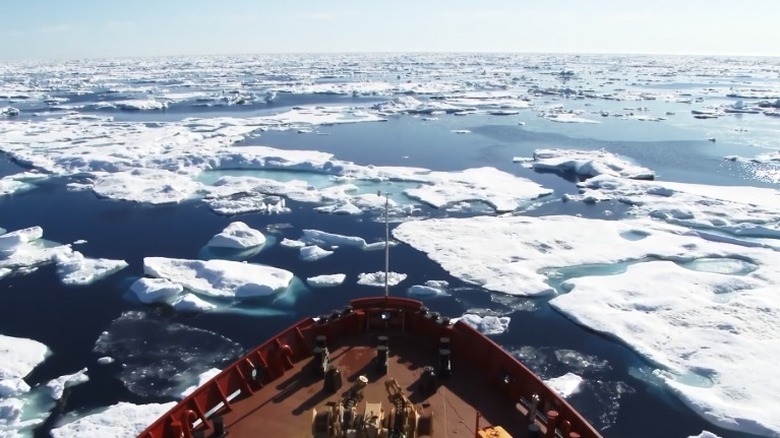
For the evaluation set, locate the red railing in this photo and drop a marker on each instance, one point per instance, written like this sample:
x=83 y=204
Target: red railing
x=274 y=357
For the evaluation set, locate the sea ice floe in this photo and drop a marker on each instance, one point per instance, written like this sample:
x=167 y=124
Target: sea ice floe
x=19 y=182
x=313 y=253
x=57 y=386
x=377 y=279
x=431 y=288
x=500 y=190
x=146 y=185
x=327 y=280
x=156 y=290
x=75 y=269
x=122 y=420
x=238 y=235
x=192 y=303
x=710 y=325
x=588 y=163
x=488 y=324
x=318 y=237
x=570 y=118
x=740 y=211
x=14 y=240
x=220 y=278
x=669 y=311
x=289 y=243
x=105 y=360
x=25 y=249
x=8 y=111
x=18 y=356
x=13 y=387
x=321 y=116
x=705 y=434
x=565 y=385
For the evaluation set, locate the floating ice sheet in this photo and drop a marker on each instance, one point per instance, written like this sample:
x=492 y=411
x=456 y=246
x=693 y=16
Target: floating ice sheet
x=122 y=420
x=220 y=278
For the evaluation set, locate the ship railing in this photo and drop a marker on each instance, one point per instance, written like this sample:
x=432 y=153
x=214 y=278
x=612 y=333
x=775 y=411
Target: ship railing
x=246 y=375
x=519 y=383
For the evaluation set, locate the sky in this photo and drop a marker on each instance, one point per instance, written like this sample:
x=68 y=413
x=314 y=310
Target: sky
x=54 y=29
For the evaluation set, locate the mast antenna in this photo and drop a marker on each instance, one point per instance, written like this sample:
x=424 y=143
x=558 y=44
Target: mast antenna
x=387 y=241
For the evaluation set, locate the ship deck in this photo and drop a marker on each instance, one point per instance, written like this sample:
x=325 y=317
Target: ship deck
x=285 y=407
x=445 y=375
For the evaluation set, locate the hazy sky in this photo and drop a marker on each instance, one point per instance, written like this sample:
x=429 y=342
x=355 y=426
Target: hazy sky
x=107 y=28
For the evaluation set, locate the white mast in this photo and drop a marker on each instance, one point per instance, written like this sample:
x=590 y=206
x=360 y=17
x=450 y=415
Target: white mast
x=387 y=243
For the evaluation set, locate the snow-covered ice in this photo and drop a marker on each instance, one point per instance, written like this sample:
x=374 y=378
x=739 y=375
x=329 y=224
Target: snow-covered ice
x=739 y=211
x=326 y=280
x=119 y=420
x=488 y=324
x=156 y=290
x=75 y=269
x=565 y=385
x=705 y=434
x=146 y=185
x=377 y=279
x=431 y=288
x=588 y=163
x=220 y=278
x=331 y=240
x=18 y=356
x=238 y=235
x=500 y=190
x=14 y=240
x=661 y=303
x=313 y=252
x=57 y=386
x=192 y=303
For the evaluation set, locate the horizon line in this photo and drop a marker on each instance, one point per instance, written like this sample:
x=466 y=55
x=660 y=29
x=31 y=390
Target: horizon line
x=378 y=52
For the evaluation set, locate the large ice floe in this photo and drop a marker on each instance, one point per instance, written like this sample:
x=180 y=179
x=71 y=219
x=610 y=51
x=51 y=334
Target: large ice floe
x=23 y=250
x=705 y=312
x=587 y=163
x=219 y=278
x=18 y=357
x=120 y=420
x=739 y=211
